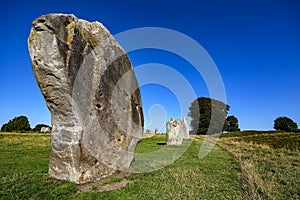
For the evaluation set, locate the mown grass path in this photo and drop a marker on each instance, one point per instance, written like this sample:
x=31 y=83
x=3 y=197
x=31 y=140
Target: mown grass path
x=24 y=164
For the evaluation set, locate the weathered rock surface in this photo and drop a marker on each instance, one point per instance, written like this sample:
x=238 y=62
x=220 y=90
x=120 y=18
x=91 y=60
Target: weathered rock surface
x=177 y=131
x=91 y=91
x=185 y=128
x=174 y=132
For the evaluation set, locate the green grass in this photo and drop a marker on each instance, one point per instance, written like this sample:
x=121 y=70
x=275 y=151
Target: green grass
x=23 y=169
x=269 y=164
x=24 y=165
x=290 y=141
x=187 y=178
x=275 y=139
x=151 y=144
x=244 y=165
x=246 y=133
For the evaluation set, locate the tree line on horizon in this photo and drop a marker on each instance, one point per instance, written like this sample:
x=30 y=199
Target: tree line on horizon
x=21 y=124
x=209 y=116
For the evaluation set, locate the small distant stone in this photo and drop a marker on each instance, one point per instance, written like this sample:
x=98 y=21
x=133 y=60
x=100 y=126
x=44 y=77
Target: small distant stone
x=148 y=131
x=177 y=130
x=45 y=130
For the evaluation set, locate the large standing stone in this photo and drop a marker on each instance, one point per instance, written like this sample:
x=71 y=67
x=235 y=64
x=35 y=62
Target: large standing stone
x=174 y=132
x=91 y=91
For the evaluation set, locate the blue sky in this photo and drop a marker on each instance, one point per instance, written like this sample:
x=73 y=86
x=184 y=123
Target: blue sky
x=255 y=45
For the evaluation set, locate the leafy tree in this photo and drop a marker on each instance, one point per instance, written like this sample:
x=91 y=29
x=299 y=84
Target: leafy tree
x=285 y=124
x=208 y=115
x=231 y=124
x=38 y=127
x=18 y=124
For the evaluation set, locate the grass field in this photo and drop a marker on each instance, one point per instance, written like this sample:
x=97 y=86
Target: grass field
x=239 y=167
x=269 y=163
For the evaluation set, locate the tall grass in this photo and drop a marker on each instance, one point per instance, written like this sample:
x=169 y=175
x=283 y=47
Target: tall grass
x=269 y=164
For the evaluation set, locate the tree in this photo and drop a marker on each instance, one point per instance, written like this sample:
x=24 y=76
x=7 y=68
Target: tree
x=285 y=124
x=38 y=127
x=208 y=115
x=231 y=124
x=18 y=124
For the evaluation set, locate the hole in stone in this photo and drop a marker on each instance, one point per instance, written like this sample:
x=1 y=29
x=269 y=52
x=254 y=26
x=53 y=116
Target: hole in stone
x=98 y=106
x=49 y=27
x=119 y=139
x=41 y=21
x=101 y=94
x=67 y=23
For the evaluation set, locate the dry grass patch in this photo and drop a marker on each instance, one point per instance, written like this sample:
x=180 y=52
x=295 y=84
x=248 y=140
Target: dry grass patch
x=268 y=170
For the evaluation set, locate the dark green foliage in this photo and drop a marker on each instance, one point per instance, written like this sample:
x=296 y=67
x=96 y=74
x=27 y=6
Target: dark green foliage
x=18 y=124
x=285 y=124
x=231 y=124
x=208 y=115
x=38 y=127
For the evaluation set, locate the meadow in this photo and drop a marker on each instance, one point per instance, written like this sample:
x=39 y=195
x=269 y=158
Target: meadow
x=269 y=163
x=241 y=166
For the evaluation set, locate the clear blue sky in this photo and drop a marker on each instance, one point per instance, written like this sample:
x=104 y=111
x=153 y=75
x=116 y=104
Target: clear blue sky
x=254 y=43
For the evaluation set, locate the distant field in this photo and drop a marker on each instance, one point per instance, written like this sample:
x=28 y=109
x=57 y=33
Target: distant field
x=239 y=167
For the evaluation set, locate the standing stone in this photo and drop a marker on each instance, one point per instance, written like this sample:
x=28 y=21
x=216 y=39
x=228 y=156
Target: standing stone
x=91 y=91
x=174 y=132
x=45 y=130
x=156 y=131
x=185 y=128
